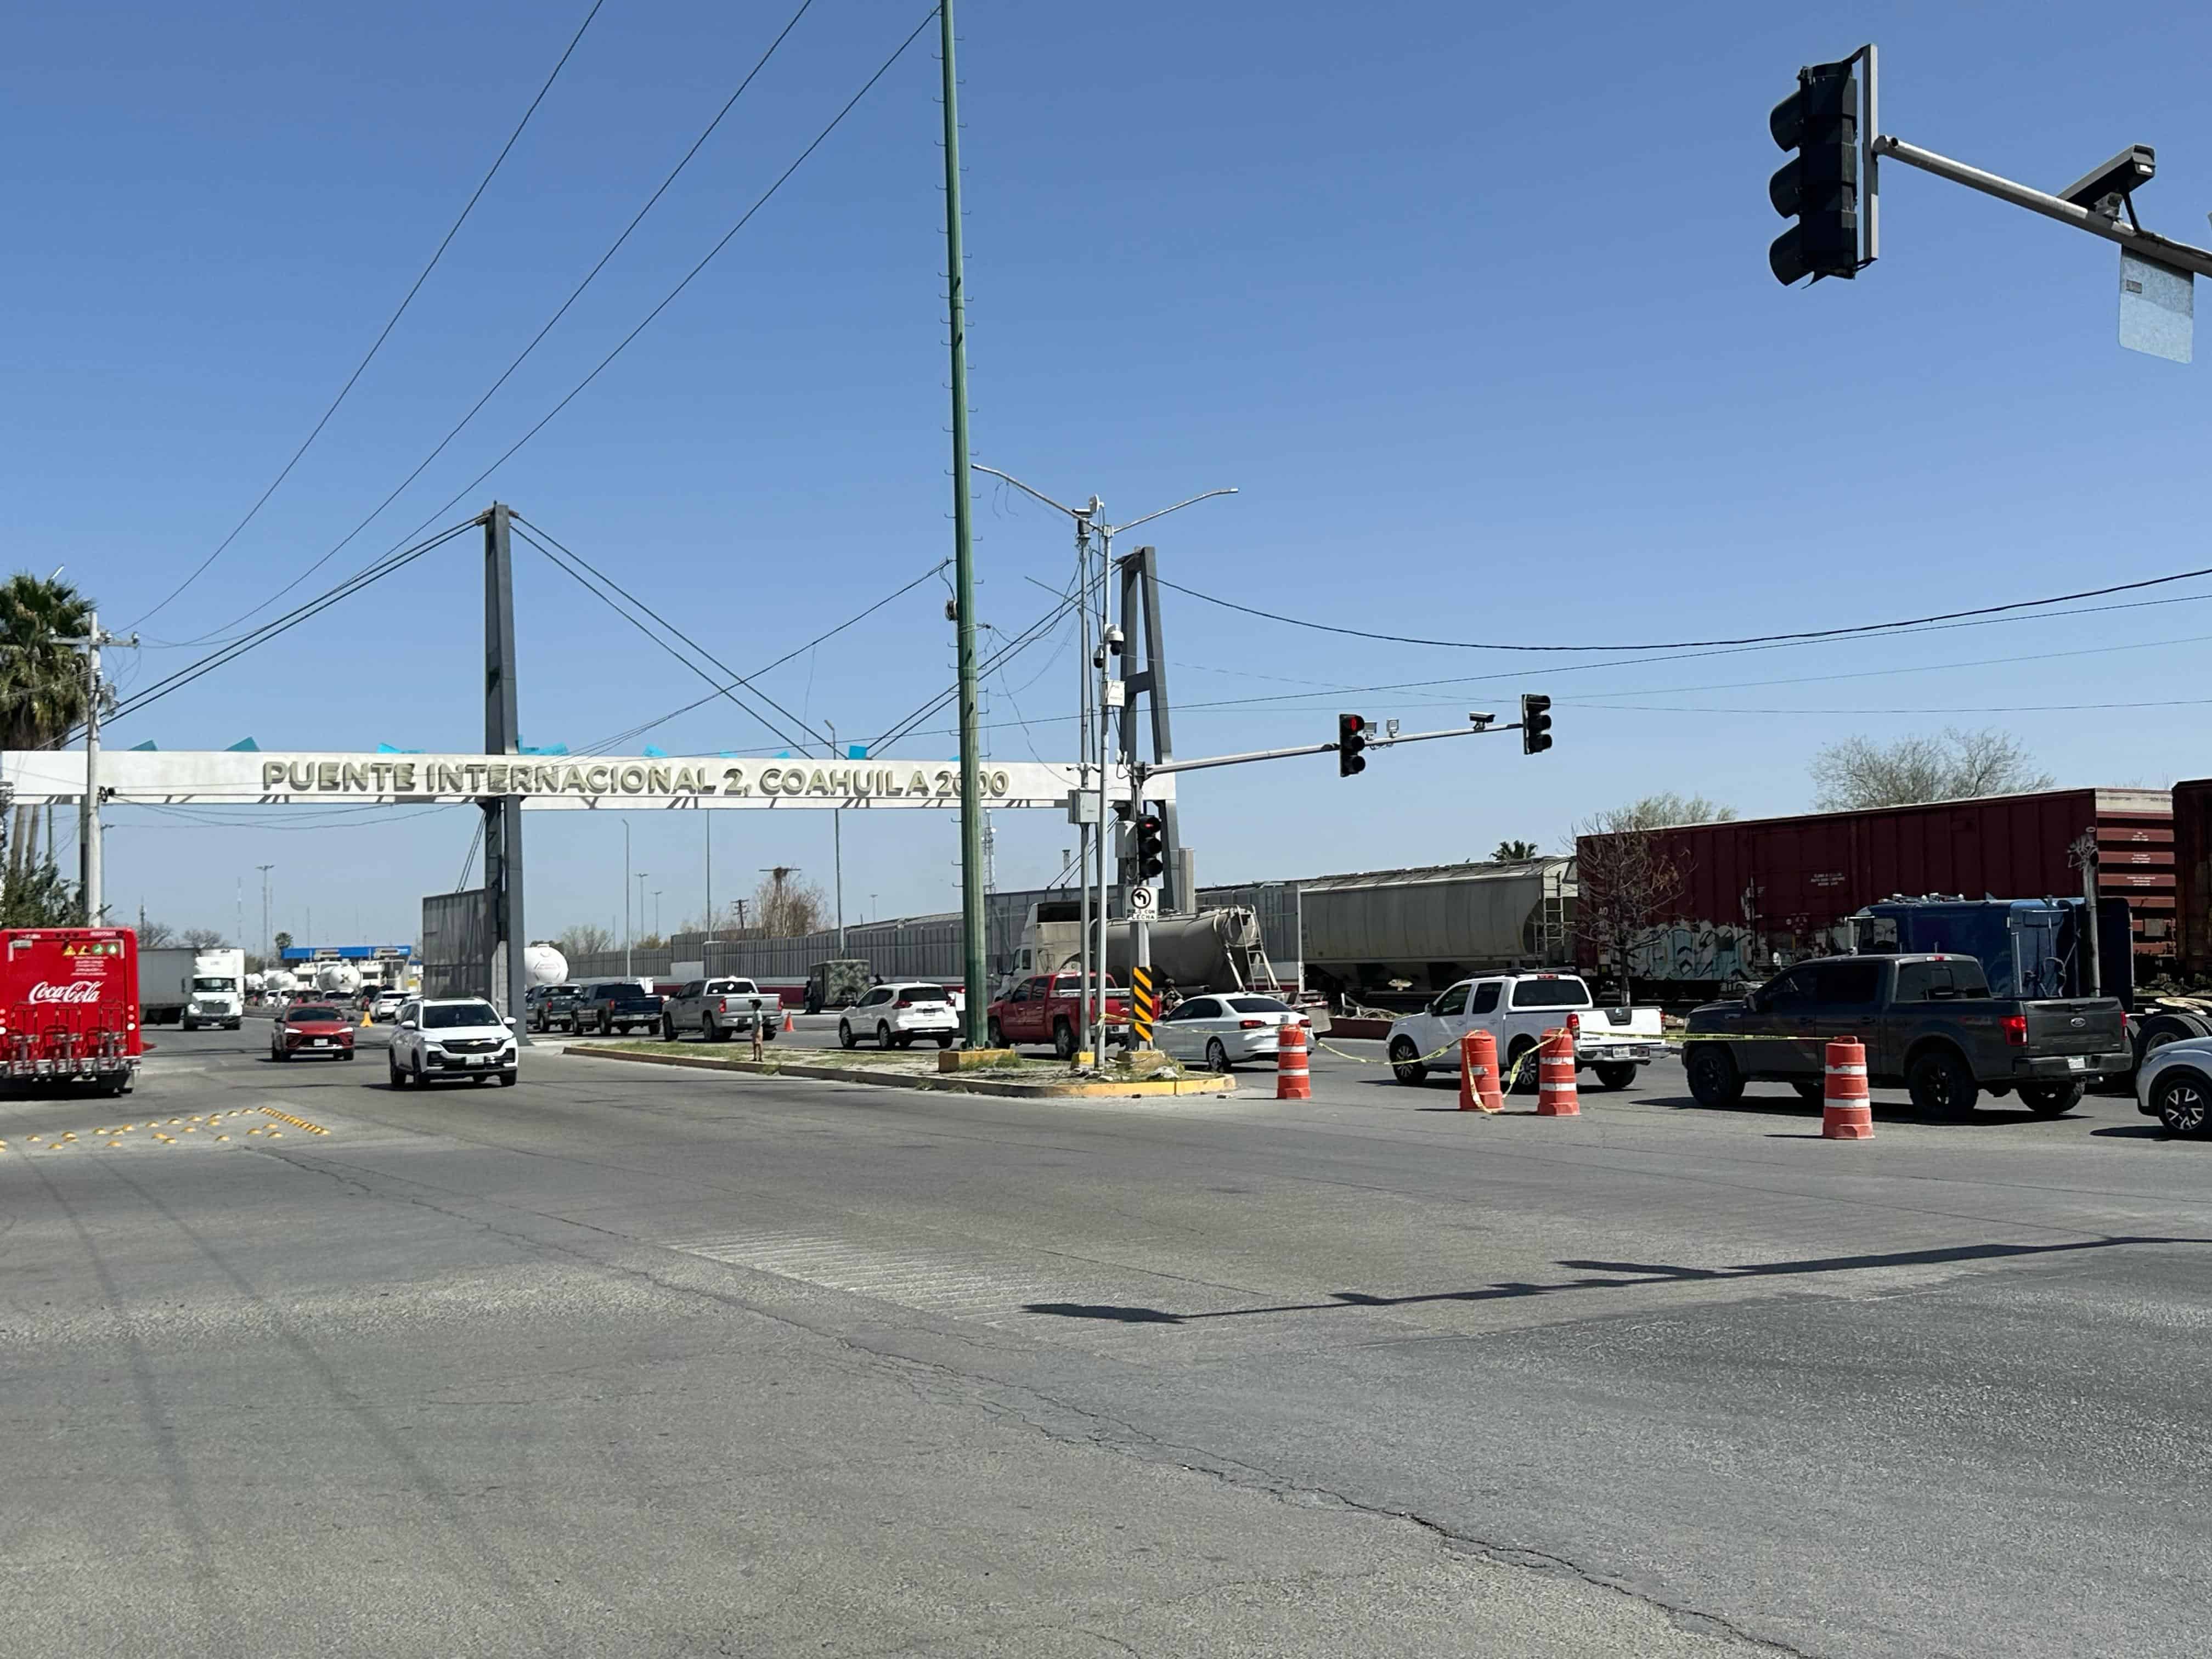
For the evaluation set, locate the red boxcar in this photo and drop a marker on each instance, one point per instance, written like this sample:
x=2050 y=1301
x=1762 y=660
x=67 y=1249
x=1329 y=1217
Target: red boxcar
x=1767 y=888
x=2192 y=874
x=69 y=1005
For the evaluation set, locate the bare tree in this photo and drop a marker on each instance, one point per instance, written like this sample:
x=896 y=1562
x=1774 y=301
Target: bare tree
x=1857 y=774
x=784 y=906
x=1628 y=880
x=152 y=935
x=585 y=940
x=203 y=938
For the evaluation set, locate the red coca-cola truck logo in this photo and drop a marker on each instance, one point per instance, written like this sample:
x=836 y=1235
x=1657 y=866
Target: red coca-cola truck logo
x=74 y=992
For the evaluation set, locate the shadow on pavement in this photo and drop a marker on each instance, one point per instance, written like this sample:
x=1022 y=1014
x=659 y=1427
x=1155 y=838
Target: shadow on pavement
x=1612 y=1275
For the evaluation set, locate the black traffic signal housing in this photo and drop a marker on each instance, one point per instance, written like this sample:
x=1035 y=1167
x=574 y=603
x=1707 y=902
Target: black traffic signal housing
x=1535 y=724
x=1151 y=852
x=1820 y=188
x=1351 y=739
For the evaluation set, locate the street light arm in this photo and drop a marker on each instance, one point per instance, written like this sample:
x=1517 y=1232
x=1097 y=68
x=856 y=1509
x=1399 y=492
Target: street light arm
x=1178 y=507
x=978 y=466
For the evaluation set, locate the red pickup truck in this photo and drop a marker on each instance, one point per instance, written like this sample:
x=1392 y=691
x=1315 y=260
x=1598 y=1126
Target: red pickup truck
x=1044 y=1009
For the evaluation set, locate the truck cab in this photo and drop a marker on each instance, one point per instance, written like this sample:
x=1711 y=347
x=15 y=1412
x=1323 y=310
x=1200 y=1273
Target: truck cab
x=217 y=991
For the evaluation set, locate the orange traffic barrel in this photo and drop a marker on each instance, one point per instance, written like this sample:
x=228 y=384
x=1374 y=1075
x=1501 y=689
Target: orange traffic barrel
x=1293 y=1081
x=1845 y=1113
x=1478 y=1088
x=1556 y=1095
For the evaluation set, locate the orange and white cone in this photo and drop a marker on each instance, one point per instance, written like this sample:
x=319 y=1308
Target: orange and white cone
x=1479 y=1090
x=787 y=1020
x=1292 y=1080
x=1556 y=1094
x=1845 y=1113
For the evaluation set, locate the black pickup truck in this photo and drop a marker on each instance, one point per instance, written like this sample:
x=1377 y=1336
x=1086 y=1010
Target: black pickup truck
x=1928 y=1022
x=617 y=1005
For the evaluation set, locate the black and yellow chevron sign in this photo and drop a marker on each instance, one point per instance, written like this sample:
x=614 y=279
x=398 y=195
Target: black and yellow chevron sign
x=1145 y=1006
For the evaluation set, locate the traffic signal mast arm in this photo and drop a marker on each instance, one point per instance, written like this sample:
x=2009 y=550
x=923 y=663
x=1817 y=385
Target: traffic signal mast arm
x=2158 y=249
x=1377 y=741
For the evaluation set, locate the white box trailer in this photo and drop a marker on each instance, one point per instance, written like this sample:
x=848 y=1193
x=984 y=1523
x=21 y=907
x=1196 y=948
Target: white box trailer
x=180 y=986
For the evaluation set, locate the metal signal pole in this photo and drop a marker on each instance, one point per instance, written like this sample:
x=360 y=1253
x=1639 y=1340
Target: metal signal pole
x=963 y=558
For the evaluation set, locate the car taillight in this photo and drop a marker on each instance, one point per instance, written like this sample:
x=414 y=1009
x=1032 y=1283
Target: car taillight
x=1249 y=1025
x=2015 y=1030
x=904 y=1002
x=722 y=1006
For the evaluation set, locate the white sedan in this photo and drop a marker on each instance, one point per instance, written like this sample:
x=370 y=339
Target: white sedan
x=2174 y=1086
x=1218 y=1032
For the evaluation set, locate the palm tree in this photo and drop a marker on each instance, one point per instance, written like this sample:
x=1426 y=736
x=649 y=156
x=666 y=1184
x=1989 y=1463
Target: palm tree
x=41 y=683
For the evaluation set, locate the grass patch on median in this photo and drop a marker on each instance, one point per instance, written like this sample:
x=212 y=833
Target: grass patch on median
x=920 y=1059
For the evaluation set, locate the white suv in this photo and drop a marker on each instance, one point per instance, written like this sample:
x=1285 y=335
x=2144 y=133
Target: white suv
x=453 y=1037
x=899 y=1011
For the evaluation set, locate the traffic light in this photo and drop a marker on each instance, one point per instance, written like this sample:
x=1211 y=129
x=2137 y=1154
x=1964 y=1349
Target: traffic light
x=1151 y=846
x=1535 y=724
x=1351 y=739
x=1820 y=188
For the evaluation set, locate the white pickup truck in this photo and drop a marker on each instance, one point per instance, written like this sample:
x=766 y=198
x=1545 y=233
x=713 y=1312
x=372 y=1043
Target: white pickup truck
x=719 y=1009
x=1517 y=1009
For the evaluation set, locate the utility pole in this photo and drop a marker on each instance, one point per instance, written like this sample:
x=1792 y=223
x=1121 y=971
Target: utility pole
x=87 y=822
x=964 y=560
x=2083 y=856
x=705 y=967
x=268 y=938
x=629 y=944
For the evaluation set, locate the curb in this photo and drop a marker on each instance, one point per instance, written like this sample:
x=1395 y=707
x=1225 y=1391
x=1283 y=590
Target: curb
x=948 y=1082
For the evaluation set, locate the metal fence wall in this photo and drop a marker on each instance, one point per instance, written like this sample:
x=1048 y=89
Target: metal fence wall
x=457 y=935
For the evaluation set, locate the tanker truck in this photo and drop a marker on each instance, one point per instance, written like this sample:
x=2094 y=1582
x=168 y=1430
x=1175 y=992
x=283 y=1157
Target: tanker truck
x=1212 y=950
x=338 y=978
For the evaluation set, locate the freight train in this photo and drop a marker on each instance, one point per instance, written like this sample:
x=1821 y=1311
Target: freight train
x=1750 y=897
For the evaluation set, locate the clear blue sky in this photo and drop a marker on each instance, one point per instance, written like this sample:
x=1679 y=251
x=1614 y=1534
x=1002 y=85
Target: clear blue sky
x=1470 y=303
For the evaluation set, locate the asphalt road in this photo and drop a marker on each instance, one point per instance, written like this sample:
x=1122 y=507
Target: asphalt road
x=630 y=1361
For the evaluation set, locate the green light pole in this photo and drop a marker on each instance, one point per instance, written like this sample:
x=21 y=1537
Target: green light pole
x=971 y=813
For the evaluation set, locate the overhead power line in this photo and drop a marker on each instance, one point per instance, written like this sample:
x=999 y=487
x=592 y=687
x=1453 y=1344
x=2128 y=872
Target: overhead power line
x=623 y=601
x=536 y=339
x=376 y=346
x=1859 y=629
x=234 y=649
x=606 y=744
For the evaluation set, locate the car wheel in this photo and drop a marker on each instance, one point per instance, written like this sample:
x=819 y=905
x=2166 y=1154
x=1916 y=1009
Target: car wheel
x=1942 y=1086
x=1217 y=1057
x=479 y=1079
x=944 y=1041
x=994 y=1034
x=709 y=1030
x=1405 y=1061
x=392 y=1068
x=606 y=1026
x=416 y=1076
x=507 y=1079
x=2051 y=1099
x=345 y=1054
x=1063 y=1039
x=1522 y=1068
x=882 y=1037
x=845 y=1037
x=667 y=1029
x=2183 y=1101
x=1615 y=1076
x=1812 y=1089
x=1714 y=1080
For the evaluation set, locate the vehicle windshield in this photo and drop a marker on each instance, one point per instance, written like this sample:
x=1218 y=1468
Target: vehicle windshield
x=303 y=1015
x=1067 y=983
x=563 y=993
x=214 y=985
x=1259 y=1006
x=444 y=1017
x=1564 y=992
x=924 y=994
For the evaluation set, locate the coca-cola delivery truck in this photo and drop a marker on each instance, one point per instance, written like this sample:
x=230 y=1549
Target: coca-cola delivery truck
x=69 y=1007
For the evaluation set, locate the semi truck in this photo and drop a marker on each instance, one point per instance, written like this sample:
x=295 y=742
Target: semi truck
x=179 y=985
